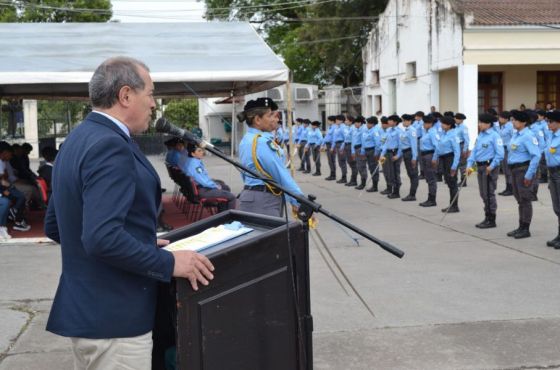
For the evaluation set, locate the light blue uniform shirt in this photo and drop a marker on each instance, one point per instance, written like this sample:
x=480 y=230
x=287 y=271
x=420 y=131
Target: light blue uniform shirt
x=546 y=131
x=197 y=171
x=506 y=132
x=347 y=131
x=314 y=137
x=429 y=140
x=463 y=135
x=303 y=135
x=270 y=157
x=279 y=135
x=357 y=137
x=392 y=141
x=329 y=135
x=449 y=143
x=409 y=140
x=419 y=126
x=383 y=134
x=488 y=146
x=537 y=130
x=552 y=152
x=338 y=133
x=368 y=139
x=524 y=147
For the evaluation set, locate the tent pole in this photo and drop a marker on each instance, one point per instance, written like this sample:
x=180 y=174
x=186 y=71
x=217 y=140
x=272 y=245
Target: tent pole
x=289 y=113
x=233 y=124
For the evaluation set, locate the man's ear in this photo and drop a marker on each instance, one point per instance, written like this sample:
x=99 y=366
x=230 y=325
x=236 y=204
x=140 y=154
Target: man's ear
x=124 y=95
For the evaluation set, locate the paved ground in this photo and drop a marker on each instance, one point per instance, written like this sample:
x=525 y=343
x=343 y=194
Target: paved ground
x=461 y=298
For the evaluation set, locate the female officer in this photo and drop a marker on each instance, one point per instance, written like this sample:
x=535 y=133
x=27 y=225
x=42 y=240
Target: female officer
x=448 y=152
x=523 y=160
x=552 y=156
x=487 y=153
x=259 y=152
x=428 y=144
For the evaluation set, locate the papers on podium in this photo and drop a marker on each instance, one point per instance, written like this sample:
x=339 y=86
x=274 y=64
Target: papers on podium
x=209 y=237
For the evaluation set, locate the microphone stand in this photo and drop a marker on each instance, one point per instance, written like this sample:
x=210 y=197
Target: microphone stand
x=305 y=211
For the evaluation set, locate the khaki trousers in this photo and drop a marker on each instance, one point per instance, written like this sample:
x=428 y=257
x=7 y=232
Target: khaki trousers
x=113 y=354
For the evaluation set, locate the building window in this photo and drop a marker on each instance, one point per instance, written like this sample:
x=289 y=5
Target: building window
x=548 y=88
x=490 y=93
x=378 y=107
x=375 y=77
x=411 y=71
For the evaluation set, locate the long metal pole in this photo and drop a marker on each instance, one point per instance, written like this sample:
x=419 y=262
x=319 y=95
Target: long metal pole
x=290 y=123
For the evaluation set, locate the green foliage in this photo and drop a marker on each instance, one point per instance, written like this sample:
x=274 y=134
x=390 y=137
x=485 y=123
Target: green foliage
x=301 y=44
x=182 y=112
x=56 y=11
x=66 y=114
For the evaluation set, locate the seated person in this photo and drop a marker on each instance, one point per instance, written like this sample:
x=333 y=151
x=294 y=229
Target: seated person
x=4 y=210
x=9 y=191
x=45 y=170
x=207 y=188
x=21 y=176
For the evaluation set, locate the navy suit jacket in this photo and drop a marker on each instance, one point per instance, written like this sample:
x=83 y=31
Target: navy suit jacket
x=103 y=212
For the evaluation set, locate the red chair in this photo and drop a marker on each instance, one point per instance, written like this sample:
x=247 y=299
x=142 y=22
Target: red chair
x=212 y=205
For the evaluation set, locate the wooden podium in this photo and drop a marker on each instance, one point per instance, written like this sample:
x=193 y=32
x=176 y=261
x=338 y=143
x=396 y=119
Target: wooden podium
x=254 y=315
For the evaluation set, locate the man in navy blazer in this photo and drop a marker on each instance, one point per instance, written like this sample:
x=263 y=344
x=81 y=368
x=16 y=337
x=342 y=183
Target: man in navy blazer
x=103 y=212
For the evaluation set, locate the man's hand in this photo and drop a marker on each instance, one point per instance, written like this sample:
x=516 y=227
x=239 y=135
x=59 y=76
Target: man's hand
x=434 y=164
x=162 y=242
x=527 y=182
x=488 y=170
x=395 y=158
x=193 y=266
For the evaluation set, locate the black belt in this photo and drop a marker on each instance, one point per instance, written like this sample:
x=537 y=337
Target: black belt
x=407 y=150
x=554 y=169
x=372 y=148
x=392 y=151
x=462 y=142
x=339 y=141
x=257 y=188
x=426 y=152
x=302 y=142
x=447 y=155
x=517 y=165
x=484 y=163
x=357 y=146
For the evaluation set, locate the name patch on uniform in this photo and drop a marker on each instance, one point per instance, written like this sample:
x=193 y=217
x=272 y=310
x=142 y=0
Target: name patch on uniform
x=437 y=136
x=413 y=134
x=199 y=169
x=273 y=146
x=513 y=147
x=500 y=142
x=552 y=150
x=535 y=141
x=485 y=146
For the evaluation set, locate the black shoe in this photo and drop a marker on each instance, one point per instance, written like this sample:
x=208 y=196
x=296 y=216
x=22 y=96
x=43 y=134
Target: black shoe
x=385 y=192
x=507 y=191
x=553 y=242
x=307 y=171
x=317 y=174
x=301 y=169
x=330 y=178
x=428 y=203
x=488 y=223
x=421 y=177
x=342 y=180
x=512 y=233
x=351 y=183
x=481 y=225
x=450 y=209
x=373 y=189
x=394 y=195
x=557 y=245
x=360 y=187
x=522 y=233
x=409 y=198
x=464 y=184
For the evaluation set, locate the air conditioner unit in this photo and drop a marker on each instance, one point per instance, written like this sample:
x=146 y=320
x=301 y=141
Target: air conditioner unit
x=275 y=94
x=304 y=94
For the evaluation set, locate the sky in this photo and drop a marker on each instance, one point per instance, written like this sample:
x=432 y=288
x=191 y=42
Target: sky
x=128 y=11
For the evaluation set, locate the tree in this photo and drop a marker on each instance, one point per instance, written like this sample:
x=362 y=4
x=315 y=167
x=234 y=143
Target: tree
x=321 y=41
x=182 y=112
x=55 y=11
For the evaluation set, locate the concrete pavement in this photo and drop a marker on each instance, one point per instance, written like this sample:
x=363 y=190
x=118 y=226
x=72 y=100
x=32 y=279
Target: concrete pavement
x=461 y=298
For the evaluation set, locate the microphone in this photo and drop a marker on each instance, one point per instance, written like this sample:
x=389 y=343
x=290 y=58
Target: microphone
x=163 y=125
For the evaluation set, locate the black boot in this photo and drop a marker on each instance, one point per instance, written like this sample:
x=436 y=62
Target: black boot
x=555 y=241
x=490 y=223
x=512 y=233
x=482 y=225
x=386 y=191
x=409 y=198
x=454 y=206
x=317 y=173
x=508 y=191
x=352 y=181
x=431 y=202
x=395 y=193
x=362 y=185
x=342 y=180
x=331 y=177
x=523 y=232
x=373 y=188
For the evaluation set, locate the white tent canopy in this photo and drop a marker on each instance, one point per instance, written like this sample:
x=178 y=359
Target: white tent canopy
x=56 y=60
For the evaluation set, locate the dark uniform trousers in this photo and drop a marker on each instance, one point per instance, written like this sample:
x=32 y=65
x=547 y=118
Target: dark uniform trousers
x=523 y=194
x=430 y=172
x=261 y=202
x=218 y=193
x=505 y=167
x=411 y=171
x=462 y=161
x=554 y=187
x=446 y=161
x=421 y=164
x=536 y=183
x=331 y=158
x=306 y=160
x=316 y=151
x=351 y=161
x=487 y=187
x=341 y=158
x=394 y=169
x=372 y=164
x=361 y=163
x=301 y=149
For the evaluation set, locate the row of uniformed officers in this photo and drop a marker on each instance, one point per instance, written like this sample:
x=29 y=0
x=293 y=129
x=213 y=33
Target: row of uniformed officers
x=434 y=143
